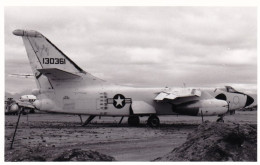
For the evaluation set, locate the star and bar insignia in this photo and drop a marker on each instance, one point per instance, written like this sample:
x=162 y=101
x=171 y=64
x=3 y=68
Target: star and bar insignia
x=119 y=101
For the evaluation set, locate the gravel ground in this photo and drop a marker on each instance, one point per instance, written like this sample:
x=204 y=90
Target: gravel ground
x=48 y=135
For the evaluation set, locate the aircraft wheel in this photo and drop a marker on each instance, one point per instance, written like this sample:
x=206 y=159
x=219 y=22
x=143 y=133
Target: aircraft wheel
x=133 y=121
x=232 y=112
x=153 y=121
x=220 y=120
x=32 y=111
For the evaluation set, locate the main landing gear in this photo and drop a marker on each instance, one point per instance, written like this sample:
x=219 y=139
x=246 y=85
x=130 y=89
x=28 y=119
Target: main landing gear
x=153 y=121
x=90 y=118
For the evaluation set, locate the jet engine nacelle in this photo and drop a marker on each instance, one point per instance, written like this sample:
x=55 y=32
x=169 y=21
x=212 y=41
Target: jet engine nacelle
x=207 y=107
x=44 y=104
x=14 y=108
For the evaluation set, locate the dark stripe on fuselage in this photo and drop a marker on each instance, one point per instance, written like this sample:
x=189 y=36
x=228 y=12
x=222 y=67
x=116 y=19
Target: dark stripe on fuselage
x=183 y=109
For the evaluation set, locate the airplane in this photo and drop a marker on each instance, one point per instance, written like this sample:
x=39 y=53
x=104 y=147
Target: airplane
x=13 y=106
x=26 y=75
x=28 y=98
x=63 y=87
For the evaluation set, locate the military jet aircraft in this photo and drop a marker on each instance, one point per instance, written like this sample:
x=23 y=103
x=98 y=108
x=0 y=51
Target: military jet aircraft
x=64 y=87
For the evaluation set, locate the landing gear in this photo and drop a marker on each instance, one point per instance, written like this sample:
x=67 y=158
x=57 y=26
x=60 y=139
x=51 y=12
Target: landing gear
x=232 y=112
x=153 y=121
x=90 y=118
x=24 y=113
x=120 y=120
x=81 y=119
x=32 y=111
x=220 y=119
x=133 y=121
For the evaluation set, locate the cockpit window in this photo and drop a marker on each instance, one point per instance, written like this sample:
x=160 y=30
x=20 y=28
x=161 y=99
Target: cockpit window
x=223 y=89
x=230 y=89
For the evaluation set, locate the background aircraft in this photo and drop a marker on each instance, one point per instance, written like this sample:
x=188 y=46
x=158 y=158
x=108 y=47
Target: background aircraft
x=64 y=87
x=21 y=75
x=12 y=106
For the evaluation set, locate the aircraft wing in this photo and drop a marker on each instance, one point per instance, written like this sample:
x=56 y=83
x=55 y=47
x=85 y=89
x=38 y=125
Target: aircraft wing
x=57 y=74
x=173 y=95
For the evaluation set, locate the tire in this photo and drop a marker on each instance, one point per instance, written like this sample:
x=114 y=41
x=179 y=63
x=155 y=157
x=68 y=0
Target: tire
x=220 y=120
x=133 y=121
x=153 y=121
x=31 y=111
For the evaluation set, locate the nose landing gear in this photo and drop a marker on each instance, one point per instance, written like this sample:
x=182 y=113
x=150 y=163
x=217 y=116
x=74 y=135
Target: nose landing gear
x=220 y=119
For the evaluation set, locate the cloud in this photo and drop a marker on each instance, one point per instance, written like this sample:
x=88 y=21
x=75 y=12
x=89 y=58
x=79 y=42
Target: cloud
x=164 y=45
x=145 y=56
x=238 y=57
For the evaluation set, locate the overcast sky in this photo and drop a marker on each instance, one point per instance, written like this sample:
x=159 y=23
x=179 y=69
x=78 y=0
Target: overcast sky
x=142 y=46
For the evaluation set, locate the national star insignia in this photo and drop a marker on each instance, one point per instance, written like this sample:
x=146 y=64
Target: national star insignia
x=119 y=101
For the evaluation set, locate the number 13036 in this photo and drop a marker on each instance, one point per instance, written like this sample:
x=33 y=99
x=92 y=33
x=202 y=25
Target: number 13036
x=53 y=61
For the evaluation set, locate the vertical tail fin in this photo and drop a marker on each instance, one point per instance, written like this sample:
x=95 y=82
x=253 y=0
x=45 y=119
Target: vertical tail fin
x=43 y=54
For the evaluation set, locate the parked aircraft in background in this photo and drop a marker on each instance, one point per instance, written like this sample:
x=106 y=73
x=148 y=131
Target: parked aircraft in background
x=26 y=75
x=28 y=98
x=12 y=106
x=64 y=87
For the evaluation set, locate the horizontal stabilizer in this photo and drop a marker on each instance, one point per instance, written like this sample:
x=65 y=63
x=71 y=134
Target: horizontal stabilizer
x=57 y=74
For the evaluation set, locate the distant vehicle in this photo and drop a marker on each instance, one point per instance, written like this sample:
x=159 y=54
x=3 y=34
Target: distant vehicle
x=64 y=87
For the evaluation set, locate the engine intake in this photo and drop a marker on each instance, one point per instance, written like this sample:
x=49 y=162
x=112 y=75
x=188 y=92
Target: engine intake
x=207 y=107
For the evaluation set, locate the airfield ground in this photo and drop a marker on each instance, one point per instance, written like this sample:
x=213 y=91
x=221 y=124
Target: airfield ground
x=50 y=134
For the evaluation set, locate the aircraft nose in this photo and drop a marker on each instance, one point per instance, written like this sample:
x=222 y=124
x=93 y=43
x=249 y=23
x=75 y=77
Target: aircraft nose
x=249 y=100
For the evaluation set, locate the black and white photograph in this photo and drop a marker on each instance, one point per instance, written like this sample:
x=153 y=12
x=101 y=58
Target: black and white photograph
x=130 y=83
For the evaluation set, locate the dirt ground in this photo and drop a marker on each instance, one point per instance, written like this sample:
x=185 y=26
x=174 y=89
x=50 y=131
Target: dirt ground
x=50 y=134
x=213 y=141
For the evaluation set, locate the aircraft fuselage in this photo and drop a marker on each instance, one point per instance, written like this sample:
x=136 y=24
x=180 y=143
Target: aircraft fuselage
x=106 y=99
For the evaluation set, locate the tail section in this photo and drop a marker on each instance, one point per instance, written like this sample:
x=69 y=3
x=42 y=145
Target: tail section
x=45 y=56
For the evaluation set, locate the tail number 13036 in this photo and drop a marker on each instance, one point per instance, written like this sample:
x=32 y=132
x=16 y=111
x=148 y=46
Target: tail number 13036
x=54 y=61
